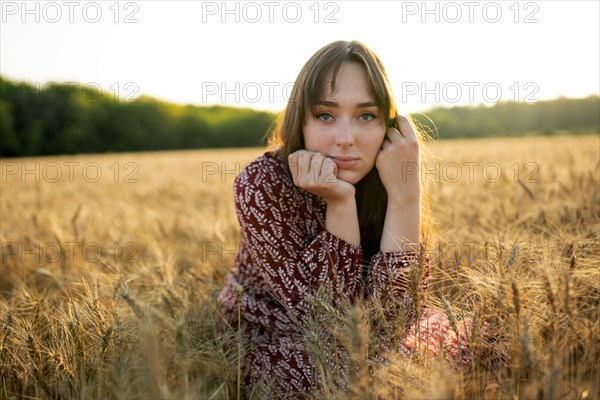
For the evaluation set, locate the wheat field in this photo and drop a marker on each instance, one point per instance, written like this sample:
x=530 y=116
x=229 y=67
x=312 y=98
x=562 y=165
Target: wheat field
x=111 y=263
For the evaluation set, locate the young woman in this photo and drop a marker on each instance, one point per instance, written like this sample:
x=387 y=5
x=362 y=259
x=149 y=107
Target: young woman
x=336 y=206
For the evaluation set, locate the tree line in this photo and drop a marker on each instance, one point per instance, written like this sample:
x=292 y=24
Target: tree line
x=69 y=119
x=558 y=116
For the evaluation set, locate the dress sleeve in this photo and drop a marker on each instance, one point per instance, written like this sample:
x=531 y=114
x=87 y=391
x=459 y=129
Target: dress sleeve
x=399 y=280
x=291 y=264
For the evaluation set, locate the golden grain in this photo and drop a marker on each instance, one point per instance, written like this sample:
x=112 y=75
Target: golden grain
x=125 y=308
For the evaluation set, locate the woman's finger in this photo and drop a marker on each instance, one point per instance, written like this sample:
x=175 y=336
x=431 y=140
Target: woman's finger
x=329 y=171
x=304 y=158
x=316 y=164
x=293 y=164
x=405 y=127
x=392 y=134
x=386 y=143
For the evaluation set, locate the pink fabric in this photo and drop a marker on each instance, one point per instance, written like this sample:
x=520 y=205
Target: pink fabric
x=285 y=254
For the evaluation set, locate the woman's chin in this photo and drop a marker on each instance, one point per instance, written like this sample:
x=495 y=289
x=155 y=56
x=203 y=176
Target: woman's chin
x=349 y=176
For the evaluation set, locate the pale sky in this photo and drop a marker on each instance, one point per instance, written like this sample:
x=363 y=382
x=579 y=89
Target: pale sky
x=248 y=54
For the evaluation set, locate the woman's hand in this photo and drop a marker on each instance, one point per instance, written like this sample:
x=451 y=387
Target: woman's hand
x=317 y=174
x=398 y=163
x=398 y=167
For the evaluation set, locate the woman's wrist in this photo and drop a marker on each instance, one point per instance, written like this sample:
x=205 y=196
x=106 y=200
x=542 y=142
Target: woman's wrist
x=401 y=229
x=410 y=192
x=410 y=198
x=342 y=219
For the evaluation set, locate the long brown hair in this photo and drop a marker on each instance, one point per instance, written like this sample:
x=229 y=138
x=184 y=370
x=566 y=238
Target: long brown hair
x=287 y=137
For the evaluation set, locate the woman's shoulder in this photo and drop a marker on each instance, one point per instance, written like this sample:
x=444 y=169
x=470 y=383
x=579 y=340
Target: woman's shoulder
x=268 y=161
x=266 y=172
x=263 y=185
x=268 y=168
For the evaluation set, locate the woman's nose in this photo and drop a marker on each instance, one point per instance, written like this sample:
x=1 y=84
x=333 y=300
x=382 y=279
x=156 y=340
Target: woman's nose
x=345 y=136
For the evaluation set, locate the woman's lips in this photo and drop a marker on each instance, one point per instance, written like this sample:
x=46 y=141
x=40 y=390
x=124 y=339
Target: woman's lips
x=345 y=162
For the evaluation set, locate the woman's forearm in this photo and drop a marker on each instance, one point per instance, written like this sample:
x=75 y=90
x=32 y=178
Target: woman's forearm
x=401 y=229
x=341 y=219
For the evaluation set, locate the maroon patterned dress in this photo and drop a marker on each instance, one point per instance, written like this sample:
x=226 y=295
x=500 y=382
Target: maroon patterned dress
x=286 y=253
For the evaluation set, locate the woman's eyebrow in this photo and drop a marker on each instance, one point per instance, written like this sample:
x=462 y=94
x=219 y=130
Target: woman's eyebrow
x=335 y=104
x=366 y=104
x=328 y=103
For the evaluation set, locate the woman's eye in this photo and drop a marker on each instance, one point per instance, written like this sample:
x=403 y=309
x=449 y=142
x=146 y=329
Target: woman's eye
x=324 y=117
x=367 y=117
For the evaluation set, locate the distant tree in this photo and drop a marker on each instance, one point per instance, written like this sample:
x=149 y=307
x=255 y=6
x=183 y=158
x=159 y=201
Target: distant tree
x=10 y=142
x=65 y=119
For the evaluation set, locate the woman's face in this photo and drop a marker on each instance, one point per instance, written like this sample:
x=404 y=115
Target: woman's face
x=347 y=126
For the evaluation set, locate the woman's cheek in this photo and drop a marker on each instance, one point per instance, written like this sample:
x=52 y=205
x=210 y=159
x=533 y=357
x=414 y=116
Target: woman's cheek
x=374 y=149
